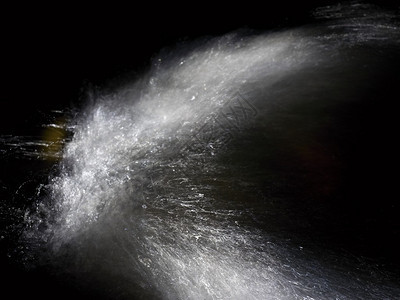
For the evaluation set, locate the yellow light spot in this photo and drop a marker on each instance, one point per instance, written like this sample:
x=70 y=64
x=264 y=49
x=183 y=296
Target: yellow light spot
x=53 y=137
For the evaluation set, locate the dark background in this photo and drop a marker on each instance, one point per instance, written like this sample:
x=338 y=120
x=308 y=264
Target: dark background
x=51 y=55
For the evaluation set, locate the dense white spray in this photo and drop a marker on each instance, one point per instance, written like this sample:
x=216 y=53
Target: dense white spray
x=139 y=201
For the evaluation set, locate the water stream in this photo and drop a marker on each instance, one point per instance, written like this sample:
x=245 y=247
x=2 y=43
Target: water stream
x=208 y=177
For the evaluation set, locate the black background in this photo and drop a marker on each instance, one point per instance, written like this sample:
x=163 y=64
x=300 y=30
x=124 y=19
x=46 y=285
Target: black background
x=50 y=54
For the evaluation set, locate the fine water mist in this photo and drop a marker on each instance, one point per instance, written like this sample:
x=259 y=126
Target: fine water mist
x=189 y=182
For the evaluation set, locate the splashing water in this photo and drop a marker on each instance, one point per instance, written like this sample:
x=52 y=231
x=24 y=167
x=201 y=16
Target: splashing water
x=153 y=197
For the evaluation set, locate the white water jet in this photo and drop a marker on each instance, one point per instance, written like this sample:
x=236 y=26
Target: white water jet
x=141 y=205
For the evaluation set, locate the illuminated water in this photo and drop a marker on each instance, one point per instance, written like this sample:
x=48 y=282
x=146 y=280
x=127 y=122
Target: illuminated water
x=189 y=182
